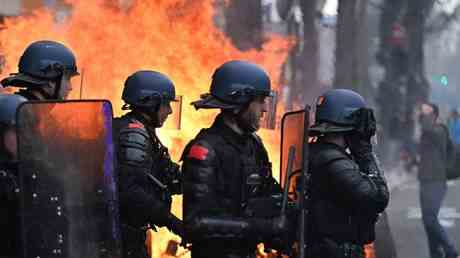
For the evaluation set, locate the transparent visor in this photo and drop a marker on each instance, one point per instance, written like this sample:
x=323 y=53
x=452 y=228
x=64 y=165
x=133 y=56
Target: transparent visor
x=173 y=121
x=269 y=119
x=77 y=86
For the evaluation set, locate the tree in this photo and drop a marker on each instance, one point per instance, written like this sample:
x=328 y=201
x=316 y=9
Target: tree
x=401 y=54
x=301 y=68
x=244 y=23
x=351 y=64
x=309 y=55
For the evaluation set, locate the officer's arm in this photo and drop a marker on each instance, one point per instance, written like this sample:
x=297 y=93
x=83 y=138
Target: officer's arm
x=360 y=189
x=137 y=204
x=205 y=216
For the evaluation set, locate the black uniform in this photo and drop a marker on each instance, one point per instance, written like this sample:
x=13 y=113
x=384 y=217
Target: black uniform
x=146 y=183
x=9 y=215
x=346 y=199
x=224 y=172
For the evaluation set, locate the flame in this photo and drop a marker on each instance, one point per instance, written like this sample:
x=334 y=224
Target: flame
x=175 y=37
x=369 y=250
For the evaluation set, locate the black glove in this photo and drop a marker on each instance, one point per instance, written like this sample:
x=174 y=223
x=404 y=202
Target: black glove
x=359 y=141
x=365 y=124
x=173 y=178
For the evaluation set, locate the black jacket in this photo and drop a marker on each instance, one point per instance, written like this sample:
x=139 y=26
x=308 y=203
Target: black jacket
x=144 y=168
x=346 y=201
x=218 y=165
x=433 y=150
x=9 y=210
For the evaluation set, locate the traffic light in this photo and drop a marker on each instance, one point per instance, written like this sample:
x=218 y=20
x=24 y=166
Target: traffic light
x=442 y=80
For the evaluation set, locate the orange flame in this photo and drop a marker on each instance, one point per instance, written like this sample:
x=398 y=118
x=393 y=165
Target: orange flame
x=175 y=37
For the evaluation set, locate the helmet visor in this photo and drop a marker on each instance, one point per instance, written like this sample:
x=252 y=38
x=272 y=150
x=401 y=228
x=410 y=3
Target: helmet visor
x=175 y=118
x=22 y=80
x=269 y=118
x=207 y=101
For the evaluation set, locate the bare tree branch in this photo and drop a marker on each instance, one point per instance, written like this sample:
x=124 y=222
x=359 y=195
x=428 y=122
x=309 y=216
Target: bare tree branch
x=443 y=20
x=375 y=5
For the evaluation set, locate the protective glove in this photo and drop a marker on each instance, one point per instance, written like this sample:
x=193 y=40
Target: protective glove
x=359 y=141
x=173 y=178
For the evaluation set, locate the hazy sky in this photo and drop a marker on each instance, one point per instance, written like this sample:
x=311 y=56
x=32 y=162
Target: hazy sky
x=331 y=7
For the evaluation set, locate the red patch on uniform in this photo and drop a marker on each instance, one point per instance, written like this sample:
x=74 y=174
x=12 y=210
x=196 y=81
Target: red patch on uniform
x=198 y=152
x=136 y=125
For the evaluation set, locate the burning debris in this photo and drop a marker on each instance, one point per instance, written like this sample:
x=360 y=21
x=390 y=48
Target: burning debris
x=176 y=37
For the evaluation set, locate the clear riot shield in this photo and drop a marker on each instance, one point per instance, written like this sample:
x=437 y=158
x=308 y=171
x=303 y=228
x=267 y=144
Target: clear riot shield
x=294 y=168
x=292 y=134
x=68 y=200
x=174 y=120
x=269 y=119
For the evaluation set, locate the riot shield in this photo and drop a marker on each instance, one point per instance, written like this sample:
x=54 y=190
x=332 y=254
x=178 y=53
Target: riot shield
x=294 y=173
x=269 y=119
x=68 y=200
x=292 y=134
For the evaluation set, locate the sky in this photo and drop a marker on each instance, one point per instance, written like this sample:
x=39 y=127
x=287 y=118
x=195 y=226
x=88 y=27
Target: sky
x=331 y=7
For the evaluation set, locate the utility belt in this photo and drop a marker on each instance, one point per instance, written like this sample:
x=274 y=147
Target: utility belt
x=328 y=248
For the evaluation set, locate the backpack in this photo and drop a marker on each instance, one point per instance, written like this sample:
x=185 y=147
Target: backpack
x=453 y=158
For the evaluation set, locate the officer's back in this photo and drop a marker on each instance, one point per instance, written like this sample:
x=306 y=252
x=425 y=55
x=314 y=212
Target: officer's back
x=347 y=188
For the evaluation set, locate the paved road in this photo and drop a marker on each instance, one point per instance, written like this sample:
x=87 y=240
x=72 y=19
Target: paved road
x=405 y=219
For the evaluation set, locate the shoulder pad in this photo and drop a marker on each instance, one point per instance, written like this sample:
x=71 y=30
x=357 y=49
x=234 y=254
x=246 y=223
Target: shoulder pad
x=324 y=154
x=135 y=144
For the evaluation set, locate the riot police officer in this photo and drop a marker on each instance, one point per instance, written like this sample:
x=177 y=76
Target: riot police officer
x=226 y=169
x=347 y=187
x=9 y=220
x=45 y=71
x=147 y=175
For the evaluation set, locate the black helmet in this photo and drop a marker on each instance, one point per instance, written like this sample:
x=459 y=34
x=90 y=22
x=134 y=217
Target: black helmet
x=234 y=84
x=334 y=111
x=41 y=62
x=148 y=89
x=8 y=106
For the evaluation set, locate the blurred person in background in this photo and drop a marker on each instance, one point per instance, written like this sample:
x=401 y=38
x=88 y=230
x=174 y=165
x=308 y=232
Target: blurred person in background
x=453 y=123
x=433 y=151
